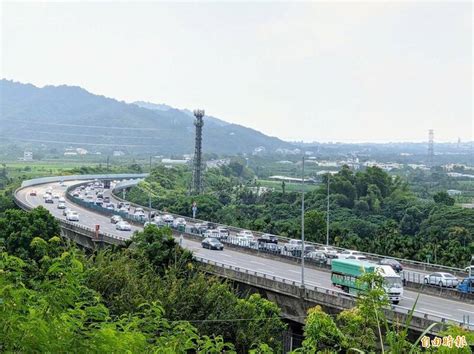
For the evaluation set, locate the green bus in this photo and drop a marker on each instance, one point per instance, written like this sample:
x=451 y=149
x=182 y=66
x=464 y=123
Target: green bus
x=345 y=272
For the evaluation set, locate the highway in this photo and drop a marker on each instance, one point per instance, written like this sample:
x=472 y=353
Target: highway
x=428 y=304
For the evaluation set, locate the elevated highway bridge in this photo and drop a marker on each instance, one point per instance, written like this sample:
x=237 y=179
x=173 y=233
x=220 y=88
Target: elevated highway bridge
x=277 y=278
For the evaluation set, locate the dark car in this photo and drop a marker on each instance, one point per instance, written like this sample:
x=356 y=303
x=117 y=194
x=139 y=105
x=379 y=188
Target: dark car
x=396 y=266
x=307 y=249
x=199 y=228
x=267 y=238
x=269 y=247
x=212 y=244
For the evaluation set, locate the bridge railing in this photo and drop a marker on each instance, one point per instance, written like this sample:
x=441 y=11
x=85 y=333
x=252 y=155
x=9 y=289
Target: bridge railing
x=332 y=292
x=371 y=256
x=114 y=176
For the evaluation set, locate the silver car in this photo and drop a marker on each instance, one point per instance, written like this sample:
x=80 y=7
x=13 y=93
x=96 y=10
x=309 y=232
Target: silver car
x=441 y=279
x=123 y=226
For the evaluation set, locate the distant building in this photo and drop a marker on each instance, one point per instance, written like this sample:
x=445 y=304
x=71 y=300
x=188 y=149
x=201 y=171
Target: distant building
x=70 y=153
x=259 y=150
x=217 y=163
x=453 y=192
x=288 y=151
x=118 y=153
x=174 y=162
x=323 y=172
x=81 y=151
x=285 y=162
x=291 y=179
x=28 y=156
x=328 y=164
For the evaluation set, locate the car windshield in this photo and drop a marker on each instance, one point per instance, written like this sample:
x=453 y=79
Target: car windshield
x=393 y=282
x=447 y=275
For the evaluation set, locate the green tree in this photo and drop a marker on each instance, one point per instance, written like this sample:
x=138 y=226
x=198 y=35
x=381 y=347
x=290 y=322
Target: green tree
x=321 y=332
x=315 y=226
x=443 y=198
x=159 y=247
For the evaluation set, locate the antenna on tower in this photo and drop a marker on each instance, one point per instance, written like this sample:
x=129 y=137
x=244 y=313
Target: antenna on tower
x=197 y=182
x=430 y=148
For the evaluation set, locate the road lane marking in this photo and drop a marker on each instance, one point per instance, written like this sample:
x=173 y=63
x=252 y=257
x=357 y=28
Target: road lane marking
x=462 y=310
x=429 y=311
x=265 y=271
x=259 y=263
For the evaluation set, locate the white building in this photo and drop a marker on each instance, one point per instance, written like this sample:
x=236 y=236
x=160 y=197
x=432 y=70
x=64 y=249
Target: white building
x=174 y=162
x=28 y=156
x=81 y=151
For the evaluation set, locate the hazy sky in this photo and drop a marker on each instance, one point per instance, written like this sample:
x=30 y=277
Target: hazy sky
x=323 y=71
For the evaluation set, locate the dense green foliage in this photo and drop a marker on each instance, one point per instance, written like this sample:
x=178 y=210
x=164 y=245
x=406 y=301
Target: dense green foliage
x=369 y=211
x=148 y=297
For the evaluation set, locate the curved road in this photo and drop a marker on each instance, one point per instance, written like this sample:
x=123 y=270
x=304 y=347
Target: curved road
x=432 y=305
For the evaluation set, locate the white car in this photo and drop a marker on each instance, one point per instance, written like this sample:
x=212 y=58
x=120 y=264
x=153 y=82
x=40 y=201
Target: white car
x=359 y=257
x=441 y=279
x=293 y=245
x=245 y=233
x=179 y=222
x=72 y=216
x=347 y=253
x=62 y=200
x=65 y=211
x=168 y=219
x=61 y=205
x=211 y=234
x=327 y=250
x=223 y=232
x=123 y=226
x=56 y=196
x=115 y=219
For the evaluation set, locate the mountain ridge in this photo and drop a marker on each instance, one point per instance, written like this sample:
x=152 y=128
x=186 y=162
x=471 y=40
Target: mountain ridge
x=70 y=115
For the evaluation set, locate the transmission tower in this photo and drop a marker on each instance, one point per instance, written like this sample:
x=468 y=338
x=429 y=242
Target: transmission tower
x=430 y=148
x=197 y=182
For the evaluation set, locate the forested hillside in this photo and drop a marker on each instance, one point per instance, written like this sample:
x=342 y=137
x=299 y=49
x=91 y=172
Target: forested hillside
x=63 y=116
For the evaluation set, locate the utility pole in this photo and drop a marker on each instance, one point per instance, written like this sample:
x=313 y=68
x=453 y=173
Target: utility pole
x=149 y=206
x=327 y=215
x=197 y=183
x=302 y=226
x=430 y=148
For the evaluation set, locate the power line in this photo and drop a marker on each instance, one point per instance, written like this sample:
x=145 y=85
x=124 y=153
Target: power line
x=73 y=143
x=92 y=135
x=85 y=126
x=240 y=319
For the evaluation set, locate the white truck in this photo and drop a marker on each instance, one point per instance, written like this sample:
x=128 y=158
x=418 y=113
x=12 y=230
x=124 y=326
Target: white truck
x=393 y=283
